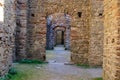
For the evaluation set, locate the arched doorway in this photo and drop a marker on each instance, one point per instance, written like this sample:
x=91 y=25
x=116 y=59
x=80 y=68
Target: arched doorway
x=58 y=31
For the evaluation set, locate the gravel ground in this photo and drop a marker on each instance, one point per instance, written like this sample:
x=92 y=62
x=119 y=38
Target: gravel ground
x=59 y=56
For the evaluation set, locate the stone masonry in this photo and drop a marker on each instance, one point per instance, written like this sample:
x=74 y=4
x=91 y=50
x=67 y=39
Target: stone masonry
x=36 y=30
x=7 y=32
x=80 y=32
x=21 y=29
x=24 y=26
x=96 y=33
x=31 y=21
x=40 y=10
x=111 y=60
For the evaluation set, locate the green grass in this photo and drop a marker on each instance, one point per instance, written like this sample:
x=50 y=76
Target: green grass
x=97 y=79
x=20 y=72
x=2 y=78
x=27 y=72
x=24 y=70
x=21 y=75
x=83 y=65
x=87 y=66
x=27 y=61
x=11 y=73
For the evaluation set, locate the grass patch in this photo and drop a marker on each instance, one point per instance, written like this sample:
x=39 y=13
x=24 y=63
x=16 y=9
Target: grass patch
x=19 y=76
x=23 y=71
x=11 y=73
x=27 y=61
x=27 y=72
x=83 y=65
x=97 y=79
x=87 y=66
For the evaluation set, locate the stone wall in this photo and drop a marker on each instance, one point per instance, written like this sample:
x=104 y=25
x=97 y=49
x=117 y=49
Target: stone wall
x=21 y=29
x=36 y=30
x=86 y=37
x=80 y=31
x=85 y=41
x=86 y=31
x=96 y=33
x=7 y=32
x=111 y=58
x=79 y=13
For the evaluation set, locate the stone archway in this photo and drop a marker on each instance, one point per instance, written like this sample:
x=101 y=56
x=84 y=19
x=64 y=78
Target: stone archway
x=58 y=21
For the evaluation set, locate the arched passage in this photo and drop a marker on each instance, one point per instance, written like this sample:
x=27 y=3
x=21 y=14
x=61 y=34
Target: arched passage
x=55 y=23
x=60 y=35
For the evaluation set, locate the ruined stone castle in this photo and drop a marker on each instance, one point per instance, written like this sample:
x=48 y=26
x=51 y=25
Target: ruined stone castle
x=90 y=29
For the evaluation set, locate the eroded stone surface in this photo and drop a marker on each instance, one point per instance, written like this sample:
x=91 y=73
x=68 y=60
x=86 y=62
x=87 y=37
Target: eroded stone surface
x=96 y=33
x=7 y=32
x=111 y=40
x=21 y=29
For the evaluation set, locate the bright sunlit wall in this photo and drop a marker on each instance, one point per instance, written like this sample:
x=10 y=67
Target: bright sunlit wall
x=1 y=10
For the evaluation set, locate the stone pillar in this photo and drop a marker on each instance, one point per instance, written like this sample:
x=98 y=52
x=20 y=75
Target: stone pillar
x=111 y=60
x=21 y=21
x=36 y=30
x=51 y=38
x=48 y=36
x=96 y=33
x=67 y=39
x=80 y=33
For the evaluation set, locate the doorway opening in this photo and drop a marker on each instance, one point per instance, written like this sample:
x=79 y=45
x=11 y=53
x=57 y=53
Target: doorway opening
x=58 y=31
x=60 y=37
